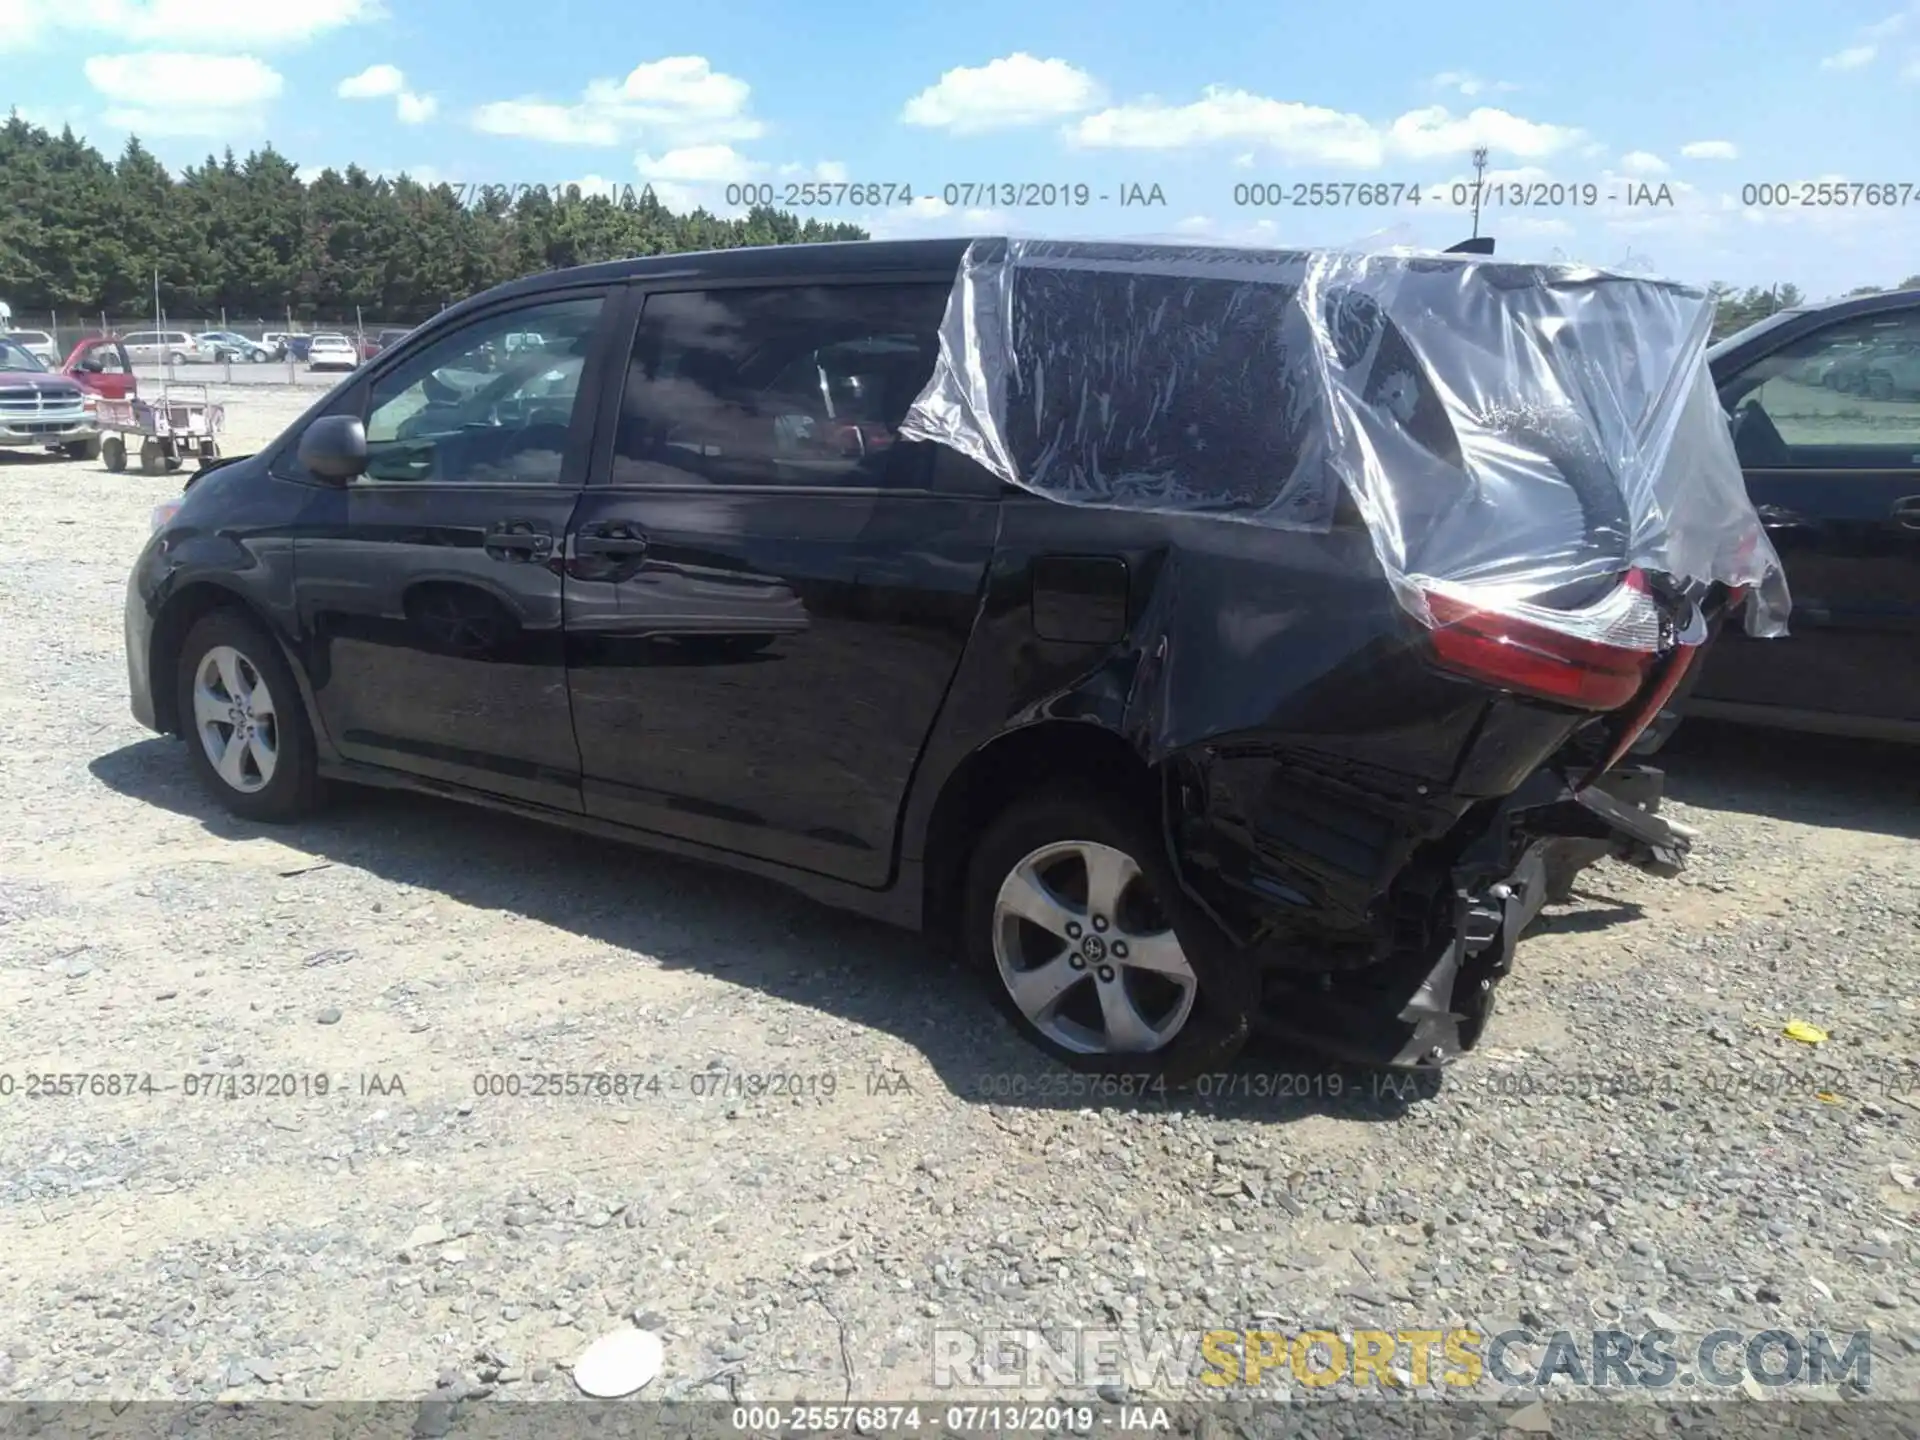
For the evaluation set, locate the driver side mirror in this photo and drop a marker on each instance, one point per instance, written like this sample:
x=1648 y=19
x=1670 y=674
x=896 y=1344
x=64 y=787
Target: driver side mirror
x=334 y=447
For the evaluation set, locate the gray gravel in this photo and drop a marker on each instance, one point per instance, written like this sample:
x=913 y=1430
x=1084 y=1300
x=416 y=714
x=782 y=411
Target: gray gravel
x=1635 y=1144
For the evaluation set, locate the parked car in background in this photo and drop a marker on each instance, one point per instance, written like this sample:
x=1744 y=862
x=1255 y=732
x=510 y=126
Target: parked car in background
x=332 y=352
x=40 y=410
x=1160 y=777
x=101 y=366
x=280 y=342
x=161 y=347
x=1836 y=480
x=387 y=339
x=38 y=343
x=231 y=347
x=1894 y=372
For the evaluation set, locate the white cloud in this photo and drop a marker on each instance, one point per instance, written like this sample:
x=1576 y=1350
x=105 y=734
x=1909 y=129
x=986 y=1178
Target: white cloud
x=1244 y=160
x=1435 y=132
x=1017 y=89
x=1285 y=128
x=929 y=213
x=1643 y=162
x=1851 y=58
x=540 y=120
x=377 y=82
x=681 y=99
x=1912 y=70
x=697 y=176
x=207 y=83
x=1468 y=84
x=228 y=94
x=1292 y=131
x=372 y=83
x=700 y=164
x=195 y=24
x=1710 y=150
x=1869 y=40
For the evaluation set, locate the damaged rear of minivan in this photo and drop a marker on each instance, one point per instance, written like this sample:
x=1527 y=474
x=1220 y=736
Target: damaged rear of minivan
x=1401 y=557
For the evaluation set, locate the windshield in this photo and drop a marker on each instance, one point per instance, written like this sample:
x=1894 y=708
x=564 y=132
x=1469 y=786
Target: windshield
x=1759 y=327
x=15 y=356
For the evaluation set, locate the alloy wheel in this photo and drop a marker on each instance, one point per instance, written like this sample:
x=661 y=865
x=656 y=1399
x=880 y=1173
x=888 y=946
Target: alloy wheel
x=1088 y=954
x=233 y=715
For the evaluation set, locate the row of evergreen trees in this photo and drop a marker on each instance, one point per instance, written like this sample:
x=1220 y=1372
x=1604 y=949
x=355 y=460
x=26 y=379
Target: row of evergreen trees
x=84 y=234
x=87 y=235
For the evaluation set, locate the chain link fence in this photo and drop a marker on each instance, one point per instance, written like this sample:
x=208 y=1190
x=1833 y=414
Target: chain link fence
x=221 y=348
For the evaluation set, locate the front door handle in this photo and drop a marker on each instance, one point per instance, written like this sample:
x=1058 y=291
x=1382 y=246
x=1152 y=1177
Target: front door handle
x=1906 y=512
x=519 y=541
x=1778 y=517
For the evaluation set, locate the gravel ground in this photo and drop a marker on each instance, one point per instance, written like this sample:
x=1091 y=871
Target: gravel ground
x=404 y=1235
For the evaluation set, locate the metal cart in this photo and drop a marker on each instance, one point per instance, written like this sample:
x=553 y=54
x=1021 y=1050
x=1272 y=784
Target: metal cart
x=182 y=422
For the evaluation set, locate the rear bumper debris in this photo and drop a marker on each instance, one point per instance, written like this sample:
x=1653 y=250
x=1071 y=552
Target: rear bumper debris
x=1422 y=1008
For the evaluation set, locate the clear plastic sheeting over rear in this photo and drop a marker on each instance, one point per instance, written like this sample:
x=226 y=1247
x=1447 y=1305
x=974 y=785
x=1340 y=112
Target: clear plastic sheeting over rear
x=1521 y=432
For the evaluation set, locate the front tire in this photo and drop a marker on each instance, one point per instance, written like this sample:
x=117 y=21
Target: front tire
x=83 y=449
x=1073 y=918
x=114 y=451
x=244 y=720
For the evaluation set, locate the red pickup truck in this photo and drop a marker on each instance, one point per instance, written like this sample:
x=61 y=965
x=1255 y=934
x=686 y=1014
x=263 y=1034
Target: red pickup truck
x=100 y=366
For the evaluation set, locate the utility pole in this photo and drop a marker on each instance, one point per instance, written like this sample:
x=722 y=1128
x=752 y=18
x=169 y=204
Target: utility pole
x=1479 y=169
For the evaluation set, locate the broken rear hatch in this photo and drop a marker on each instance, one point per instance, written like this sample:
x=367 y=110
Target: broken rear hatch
x=1547 y=487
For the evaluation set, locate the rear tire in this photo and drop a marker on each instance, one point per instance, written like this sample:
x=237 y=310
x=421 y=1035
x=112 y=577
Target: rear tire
x=153 y=459
x=1070 y=901
x=232 y=681
x=114 y=451
x=83 y=449
x=176 y=358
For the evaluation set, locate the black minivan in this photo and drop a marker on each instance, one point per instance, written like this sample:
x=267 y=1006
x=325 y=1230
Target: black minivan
x=641 y=548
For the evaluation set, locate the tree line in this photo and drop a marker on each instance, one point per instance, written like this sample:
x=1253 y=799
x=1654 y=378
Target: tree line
x=85 y=234
x=1735 y=309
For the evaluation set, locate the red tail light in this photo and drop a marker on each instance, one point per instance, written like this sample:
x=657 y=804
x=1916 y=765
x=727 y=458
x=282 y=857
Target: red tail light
x=1596 y=659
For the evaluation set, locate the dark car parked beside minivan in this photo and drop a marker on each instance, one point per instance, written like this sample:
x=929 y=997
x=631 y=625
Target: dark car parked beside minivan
x=694 y=551
x=1825 y=402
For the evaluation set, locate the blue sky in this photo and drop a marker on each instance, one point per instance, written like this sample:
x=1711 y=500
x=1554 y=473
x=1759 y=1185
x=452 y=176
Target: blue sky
x=1198 y=98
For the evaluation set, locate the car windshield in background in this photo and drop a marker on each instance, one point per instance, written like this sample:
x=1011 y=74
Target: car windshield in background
x=1759 y=327
x=15 y=356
